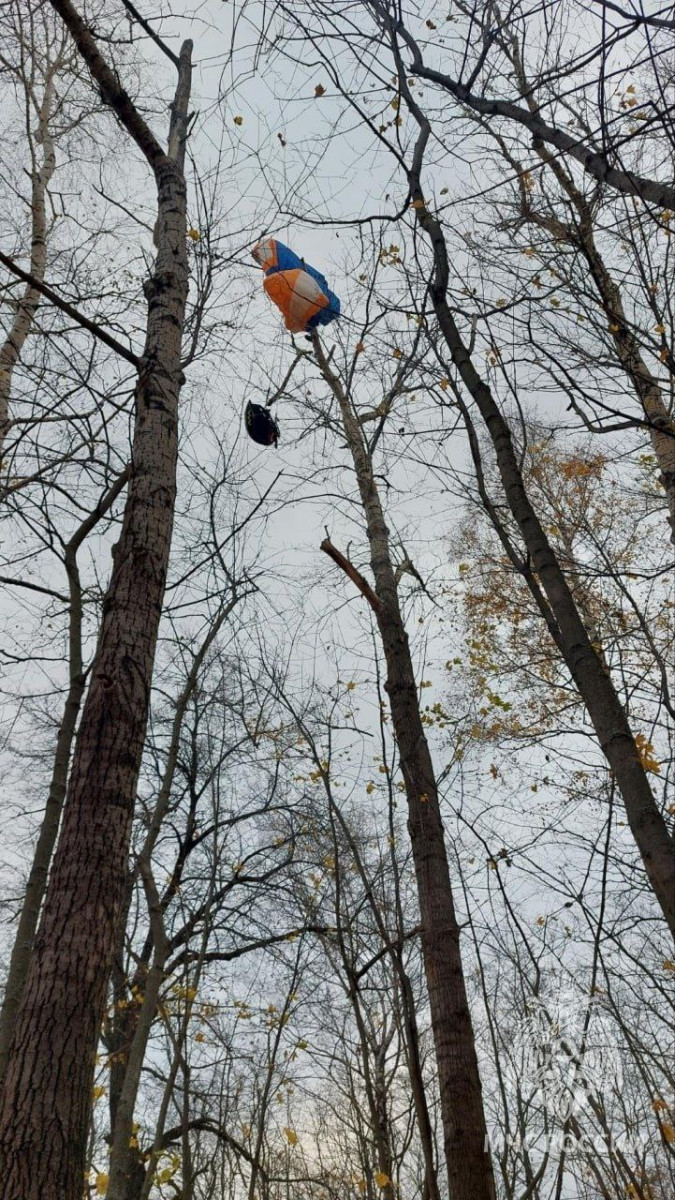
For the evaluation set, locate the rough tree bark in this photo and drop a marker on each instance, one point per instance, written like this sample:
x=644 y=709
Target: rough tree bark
x=469 y=1167
x=46 y=1102
x=44 y=847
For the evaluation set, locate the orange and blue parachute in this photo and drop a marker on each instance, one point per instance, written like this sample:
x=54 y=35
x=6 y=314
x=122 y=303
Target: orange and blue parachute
x=297 y=289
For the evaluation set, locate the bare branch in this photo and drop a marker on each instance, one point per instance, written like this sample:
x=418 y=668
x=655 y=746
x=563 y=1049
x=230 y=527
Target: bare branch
x=355 y=576
x=73 y=313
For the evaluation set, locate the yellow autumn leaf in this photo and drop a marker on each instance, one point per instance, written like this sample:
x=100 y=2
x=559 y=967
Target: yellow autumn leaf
x=291 y=1137
x=381 y=1179
x=445 y=383
x=133 y=1143
x=195 y=235
x=397 y=353
x=102 y=1183
x=370 y=788
x=200 y=1037
x=668 y=964
x=668 y=1133
x=239 y=120
x=646 y=755
x=659 y=329
x=351 y=685
x=98 y=1092
x=418 y=204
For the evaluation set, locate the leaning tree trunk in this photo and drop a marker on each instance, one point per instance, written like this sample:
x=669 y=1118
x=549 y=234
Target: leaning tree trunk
x=645 y=384
x=468 y=1162
x=46 y=1103
x=585 y=664
x=580 y=233
x=608 y=716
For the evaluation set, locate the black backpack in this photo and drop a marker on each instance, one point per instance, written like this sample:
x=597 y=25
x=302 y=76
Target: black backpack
x=260 y=425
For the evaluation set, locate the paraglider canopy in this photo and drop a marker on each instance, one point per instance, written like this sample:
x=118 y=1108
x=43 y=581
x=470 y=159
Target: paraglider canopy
x=298 y=290
x=260 y=425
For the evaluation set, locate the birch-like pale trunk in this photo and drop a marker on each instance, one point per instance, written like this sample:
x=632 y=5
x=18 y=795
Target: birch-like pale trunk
x=26 y=308
x=46 y=1102
x=469 y=1167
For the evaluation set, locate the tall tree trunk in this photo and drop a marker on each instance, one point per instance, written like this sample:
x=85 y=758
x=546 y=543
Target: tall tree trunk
x=127 y=1173
x=468 y=1163
x=607 y=713
x=580 y=233
x=42 y=856
x=583 y=661
x=46 y=1102
x=26 y=308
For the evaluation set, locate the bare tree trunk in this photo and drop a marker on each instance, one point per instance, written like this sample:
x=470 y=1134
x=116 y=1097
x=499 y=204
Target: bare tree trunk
x=580 y=233
x=584 y=663
x=130 y=1026
x=46 y=1102
x=464 y=1130
x=414 y=1063
x=645 y=384
x=125 y=1166
x=44 y=848
x=13 y=344
x=608 y=716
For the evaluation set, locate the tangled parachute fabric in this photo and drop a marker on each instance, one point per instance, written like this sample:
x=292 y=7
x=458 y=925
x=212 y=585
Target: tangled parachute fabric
x=260 y=425
x=297 y=289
